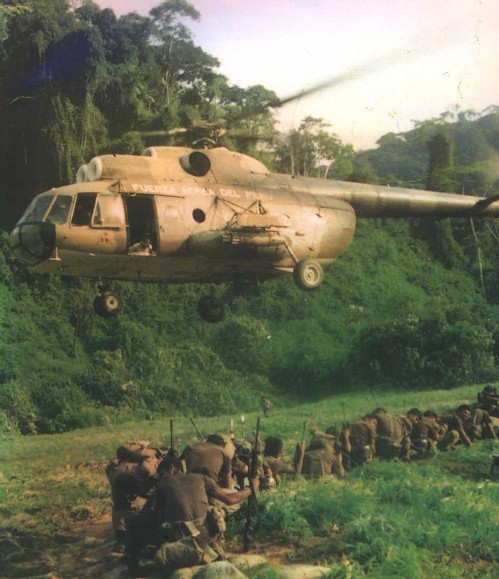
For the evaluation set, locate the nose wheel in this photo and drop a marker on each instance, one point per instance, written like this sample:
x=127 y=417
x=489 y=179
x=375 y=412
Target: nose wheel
x=107 y=304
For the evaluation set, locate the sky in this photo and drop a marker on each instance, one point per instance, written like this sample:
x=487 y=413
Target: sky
x=419 y=58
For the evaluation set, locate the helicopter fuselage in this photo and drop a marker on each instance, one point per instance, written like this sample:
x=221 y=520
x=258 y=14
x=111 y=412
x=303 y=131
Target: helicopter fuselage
x=178 y=215
x=197 y=229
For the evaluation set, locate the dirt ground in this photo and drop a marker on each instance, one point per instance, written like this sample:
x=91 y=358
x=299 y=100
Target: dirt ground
x=86 y=552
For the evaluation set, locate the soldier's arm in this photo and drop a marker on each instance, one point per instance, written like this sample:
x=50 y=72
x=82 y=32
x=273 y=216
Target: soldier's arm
x=234 y=498
x=489 y=427
x=464 y=436
x=345 y=435
x=226 y=473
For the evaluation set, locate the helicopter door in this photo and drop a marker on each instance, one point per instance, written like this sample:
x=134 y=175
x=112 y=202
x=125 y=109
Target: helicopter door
x=172 y=222
x=142 y=229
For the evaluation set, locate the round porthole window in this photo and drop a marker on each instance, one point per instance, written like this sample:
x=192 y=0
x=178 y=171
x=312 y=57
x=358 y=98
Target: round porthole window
x=199 y=215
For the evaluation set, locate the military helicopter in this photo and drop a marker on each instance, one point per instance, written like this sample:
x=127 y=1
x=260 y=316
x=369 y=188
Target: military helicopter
x=183 y=215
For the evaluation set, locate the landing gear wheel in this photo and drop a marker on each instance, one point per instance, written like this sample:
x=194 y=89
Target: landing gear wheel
x=210 y=310
x=107 y=304
x=308 y=274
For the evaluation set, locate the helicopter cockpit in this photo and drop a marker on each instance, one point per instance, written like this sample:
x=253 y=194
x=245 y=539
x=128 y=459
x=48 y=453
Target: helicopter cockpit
x=79 y=220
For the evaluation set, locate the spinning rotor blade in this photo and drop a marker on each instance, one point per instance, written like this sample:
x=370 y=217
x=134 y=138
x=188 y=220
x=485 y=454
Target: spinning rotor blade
x=357 y=72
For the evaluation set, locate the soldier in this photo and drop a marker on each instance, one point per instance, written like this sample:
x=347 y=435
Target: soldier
x=389 y=435
x=266 y=405
x=419 y=447
x=363 y=440
x=272 y=457
x=435 y=430
x=211 y=458
x=320 y=459
x=240 y=462
x=480 y=425
x=455 y=433
x=488 y=400
x=193 y=524
x=131 y=475
x=341 y=443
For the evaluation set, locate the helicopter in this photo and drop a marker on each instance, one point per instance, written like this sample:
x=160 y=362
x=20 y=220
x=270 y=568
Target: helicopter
x=209 y=215
x=179 y=215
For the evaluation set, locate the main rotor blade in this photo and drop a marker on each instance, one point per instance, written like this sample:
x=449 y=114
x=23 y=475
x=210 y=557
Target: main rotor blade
x=354 y=73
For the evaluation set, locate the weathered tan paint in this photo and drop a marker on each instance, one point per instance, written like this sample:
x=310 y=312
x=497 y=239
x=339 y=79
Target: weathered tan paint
x=256 y=224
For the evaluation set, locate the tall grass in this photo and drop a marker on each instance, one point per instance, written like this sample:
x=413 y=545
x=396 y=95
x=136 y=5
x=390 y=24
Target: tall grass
x=437 y=518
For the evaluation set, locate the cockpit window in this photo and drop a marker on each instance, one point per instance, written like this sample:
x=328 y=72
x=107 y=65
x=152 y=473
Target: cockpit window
x=59 y=211
x=37 y=209
x=109 y=211
x=84 y=209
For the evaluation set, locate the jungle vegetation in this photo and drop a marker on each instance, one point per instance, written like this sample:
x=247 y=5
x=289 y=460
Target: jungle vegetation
x=412 y=304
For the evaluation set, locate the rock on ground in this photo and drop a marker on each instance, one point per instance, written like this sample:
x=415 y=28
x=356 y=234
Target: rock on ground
x=300 y=571
x=218 y=570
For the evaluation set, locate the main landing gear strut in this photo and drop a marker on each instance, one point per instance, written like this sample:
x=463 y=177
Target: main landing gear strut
x=212 y=309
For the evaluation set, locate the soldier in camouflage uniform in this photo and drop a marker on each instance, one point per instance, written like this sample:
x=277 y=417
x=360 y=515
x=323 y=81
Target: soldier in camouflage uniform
x=435 y=431
x=272 y=457
x=363 y=440
x=488 y=400
x=480 y=425
x=131 y=475
x=211 y=458
x=194 y=525
x=389 y=435
x=321 y=458
x=455 y=433
x=266 y=405
x=420 y=447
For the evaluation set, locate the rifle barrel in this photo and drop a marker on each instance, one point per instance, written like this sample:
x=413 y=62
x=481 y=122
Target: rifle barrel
x=196 y=428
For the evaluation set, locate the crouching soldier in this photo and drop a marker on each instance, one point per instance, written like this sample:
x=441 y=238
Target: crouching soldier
x=192 y=524
x=435 y=431
x=456 y=433
x=363 y=440
x=389 y=435
x=480 y=425
x=322 y=458
x=488 y=400
x=131 y=475
x=272 y=457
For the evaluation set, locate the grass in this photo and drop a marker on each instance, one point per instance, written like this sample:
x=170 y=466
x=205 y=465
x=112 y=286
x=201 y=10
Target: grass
x=435 y=518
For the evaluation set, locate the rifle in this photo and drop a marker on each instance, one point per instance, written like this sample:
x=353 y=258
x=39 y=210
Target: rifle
x=171 y=451
x=200 y=436
x=299 y=452
x=252 y=509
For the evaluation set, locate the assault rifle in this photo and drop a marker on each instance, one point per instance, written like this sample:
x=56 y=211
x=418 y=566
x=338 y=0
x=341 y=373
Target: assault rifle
x=300 y=452
x=200 y=436
x=252 y=510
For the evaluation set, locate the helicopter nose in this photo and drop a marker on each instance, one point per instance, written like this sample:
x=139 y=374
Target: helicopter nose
x=33 y=243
